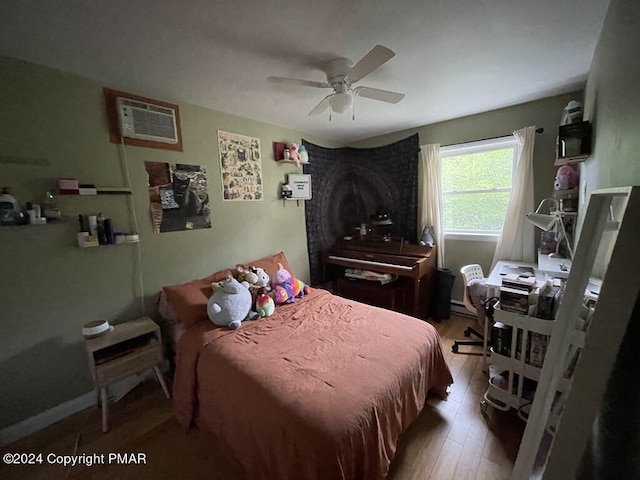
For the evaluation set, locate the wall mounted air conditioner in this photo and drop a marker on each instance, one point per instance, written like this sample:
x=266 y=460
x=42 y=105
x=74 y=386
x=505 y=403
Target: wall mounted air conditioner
x=146 y=121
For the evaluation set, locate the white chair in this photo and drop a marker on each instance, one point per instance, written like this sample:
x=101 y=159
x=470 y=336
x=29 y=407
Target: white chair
x=469 y=273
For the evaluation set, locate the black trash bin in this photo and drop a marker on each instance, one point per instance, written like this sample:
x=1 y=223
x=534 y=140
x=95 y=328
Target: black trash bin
x=440 y=308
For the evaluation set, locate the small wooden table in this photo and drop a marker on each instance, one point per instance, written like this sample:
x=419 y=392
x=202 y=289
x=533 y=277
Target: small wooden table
x=129 y=348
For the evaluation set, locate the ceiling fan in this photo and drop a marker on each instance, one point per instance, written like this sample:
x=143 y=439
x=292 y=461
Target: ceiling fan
x=341 y=76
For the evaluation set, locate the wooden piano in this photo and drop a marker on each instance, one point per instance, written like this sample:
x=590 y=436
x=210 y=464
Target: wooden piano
x=415 y=266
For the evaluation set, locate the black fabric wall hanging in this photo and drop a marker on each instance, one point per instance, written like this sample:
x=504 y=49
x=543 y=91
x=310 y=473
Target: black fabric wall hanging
x=351 y=184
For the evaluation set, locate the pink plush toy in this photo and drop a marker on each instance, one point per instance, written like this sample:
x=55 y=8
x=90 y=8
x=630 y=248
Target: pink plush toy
x=287 y=287
x=566 y=178
x=293 y=155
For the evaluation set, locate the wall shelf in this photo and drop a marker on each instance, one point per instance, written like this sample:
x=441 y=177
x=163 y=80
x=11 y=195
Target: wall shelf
x=297 y=200
x=574 y=143
x=570 y=160
x=110 y=244
x=291 y=161
x=99 y=191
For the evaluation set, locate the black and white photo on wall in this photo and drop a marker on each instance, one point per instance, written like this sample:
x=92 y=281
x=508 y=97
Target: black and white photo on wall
x=178 y=197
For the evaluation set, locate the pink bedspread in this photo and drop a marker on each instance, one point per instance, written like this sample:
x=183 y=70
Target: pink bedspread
x=319 y=391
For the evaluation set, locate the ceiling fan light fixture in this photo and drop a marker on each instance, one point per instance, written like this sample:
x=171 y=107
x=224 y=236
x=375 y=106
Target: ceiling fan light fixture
x=341 y=102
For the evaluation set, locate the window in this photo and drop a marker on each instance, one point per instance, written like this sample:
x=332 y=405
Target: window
x=476 y=184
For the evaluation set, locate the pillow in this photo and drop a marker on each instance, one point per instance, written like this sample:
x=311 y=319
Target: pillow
x=270 y=264
x=190 y=299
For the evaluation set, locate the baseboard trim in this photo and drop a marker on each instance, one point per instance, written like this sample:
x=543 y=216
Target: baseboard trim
x=42 y=420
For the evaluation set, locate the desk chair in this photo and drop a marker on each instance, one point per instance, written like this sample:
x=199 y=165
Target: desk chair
x=471 y=272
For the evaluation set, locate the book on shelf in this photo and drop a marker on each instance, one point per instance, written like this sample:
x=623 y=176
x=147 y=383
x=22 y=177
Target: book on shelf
x=538 y=344
x=514 y=300
x=512 y=280
x=517 y=270
x=382 y=278
x=548 y=302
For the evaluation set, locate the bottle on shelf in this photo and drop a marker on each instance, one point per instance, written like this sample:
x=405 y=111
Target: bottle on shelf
x=8 y=207
x=49 y=209
x=102 y=237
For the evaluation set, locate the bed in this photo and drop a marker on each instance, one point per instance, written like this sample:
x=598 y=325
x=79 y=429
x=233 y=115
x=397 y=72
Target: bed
x=320 y=390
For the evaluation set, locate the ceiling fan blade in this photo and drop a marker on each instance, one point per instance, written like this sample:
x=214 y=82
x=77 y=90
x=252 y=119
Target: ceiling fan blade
x=377 y=94
x=376 y=57
x=322 y=106
x=295 y=81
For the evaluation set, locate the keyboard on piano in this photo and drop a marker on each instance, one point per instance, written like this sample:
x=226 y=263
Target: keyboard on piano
x=414 y=264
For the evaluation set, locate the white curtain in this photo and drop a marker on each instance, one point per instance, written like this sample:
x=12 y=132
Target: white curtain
x=430 y=205
x=516 y=239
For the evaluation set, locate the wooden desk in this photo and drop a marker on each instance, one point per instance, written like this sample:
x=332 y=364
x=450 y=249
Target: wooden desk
x=554 y=267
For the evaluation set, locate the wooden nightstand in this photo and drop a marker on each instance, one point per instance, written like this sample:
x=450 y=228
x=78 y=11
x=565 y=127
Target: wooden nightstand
x=126 y=350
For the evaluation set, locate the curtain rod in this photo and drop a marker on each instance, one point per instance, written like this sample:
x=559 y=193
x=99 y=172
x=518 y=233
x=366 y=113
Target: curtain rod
x=538 y=130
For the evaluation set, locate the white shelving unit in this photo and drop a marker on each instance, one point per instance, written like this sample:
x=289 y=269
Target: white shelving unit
x=609 y=234
x=516 y=364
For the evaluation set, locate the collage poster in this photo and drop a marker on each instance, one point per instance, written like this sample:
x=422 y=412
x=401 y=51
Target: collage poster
x=240 y=167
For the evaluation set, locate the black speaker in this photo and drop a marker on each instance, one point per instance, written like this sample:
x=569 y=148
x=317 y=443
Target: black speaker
x=440 y=307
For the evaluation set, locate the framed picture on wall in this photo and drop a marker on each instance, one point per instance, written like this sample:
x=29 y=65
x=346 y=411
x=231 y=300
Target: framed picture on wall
x=300 y=185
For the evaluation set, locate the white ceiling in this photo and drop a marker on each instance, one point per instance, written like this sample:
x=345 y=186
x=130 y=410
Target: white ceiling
x=453 y=57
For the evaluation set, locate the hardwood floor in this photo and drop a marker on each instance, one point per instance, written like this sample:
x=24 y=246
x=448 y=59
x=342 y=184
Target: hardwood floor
x=450 y=439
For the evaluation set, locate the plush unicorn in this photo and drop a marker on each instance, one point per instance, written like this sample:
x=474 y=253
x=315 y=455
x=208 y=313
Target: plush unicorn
x=287 y=287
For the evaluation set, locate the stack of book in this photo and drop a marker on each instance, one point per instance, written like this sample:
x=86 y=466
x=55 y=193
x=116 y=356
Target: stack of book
x=548 y=302
x=382 y=278
x=515 y=291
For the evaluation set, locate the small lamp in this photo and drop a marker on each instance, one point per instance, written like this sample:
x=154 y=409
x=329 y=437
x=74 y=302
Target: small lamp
x=549 y=221
x=341 y=102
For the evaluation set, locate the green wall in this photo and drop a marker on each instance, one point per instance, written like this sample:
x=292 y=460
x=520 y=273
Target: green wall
x=54 y=126
x=612 y=102
x=544 y=113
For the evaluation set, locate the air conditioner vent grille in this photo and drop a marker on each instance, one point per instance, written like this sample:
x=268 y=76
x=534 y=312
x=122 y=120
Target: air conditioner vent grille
x=153 y=124
x=147 y=106
x=147 y=121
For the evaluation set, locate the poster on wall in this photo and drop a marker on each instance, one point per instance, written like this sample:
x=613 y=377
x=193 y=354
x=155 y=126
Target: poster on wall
x=178 y=197
x=240 y=167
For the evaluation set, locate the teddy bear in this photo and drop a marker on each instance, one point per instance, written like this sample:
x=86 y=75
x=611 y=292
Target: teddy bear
x=293 y=154
x=254 y=276
x=265 y=306
x=230 y=304
x=246 y=274
x=286 y=286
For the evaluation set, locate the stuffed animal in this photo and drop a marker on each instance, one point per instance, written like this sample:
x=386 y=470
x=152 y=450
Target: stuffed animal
x=287 y=287
x=303 y=154
x=262 y=277
x=566 y=178
x=287 y=191
x=230 y=304
x=293 y=154
x=214 y=287
x=265 y=305
x=246 y=274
